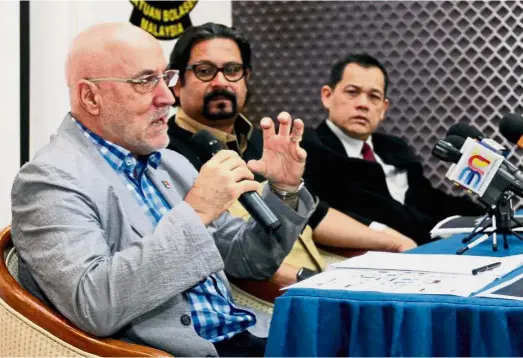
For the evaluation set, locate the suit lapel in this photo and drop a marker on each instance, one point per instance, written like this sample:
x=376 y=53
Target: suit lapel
x=136 y=214
x=163 y=183
x=388 y=148
x=329 y=139
x=393 y=151
x=137 y=217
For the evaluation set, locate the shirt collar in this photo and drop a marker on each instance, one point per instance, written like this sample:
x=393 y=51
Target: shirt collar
x=242 y=129
x=118 y=157
x=352 y=146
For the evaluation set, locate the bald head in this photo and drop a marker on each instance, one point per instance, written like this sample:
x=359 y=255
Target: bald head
x=132 y=114
x=101 y=48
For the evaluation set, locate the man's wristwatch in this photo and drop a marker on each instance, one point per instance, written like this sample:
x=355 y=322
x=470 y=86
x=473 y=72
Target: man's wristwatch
x=304 y=273
x=286 y=195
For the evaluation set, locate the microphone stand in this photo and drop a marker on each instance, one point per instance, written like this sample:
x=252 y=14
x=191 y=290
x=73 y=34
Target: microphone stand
x=502 y=219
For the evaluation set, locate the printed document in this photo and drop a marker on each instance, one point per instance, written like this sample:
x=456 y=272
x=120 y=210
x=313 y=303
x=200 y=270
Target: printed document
x=413 y=273
x=454 y=264
x=396 y=281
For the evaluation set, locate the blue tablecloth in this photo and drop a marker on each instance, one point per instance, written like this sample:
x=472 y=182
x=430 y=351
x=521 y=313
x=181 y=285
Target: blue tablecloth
x=309 y=322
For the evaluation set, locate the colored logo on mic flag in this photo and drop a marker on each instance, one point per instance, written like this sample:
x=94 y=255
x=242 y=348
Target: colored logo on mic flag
x=474 y=172
x=165 y=20
x=476 y=168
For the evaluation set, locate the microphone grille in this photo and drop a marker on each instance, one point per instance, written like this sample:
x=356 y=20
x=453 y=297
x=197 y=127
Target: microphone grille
x=205 y=145
x=465 y=130
x=511 y=127
x=456 y=141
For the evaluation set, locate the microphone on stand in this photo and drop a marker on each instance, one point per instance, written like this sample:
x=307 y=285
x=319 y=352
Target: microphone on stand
x=456 y=141
x=446 y=150
x=479 y=166
x=511 y=127
x=464 y=130
x=206 y=146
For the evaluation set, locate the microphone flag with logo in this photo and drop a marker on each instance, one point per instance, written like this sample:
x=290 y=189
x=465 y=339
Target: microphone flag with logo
x=476 y=168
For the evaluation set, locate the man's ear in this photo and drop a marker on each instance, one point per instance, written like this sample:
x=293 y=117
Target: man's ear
x=385 y=108
x=247 y=74
x=326 y=93
x=88 y=97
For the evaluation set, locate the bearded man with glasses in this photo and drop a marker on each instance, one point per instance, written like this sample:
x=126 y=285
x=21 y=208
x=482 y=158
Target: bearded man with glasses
x=125 y=238
x=214 y=62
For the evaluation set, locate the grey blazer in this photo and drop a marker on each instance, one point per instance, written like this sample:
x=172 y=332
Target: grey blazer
x=90 y=248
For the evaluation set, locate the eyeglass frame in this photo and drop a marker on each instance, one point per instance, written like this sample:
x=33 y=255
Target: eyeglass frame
x=140 y=81
x=218 y=69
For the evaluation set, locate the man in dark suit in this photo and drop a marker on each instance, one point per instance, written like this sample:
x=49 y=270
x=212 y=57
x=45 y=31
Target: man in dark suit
x=215 y=65
x=375 y=176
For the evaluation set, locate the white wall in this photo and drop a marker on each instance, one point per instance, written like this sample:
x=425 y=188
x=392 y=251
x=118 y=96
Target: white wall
x=10 y=103
x=53 y=25
x=50 y=36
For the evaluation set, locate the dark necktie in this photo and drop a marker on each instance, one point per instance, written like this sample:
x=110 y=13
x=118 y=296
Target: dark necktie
x=366 y=152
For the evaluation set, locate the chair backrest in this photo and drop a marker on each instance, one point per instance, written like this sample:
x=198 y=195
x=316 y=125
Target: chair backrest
x=30 y=328
x=11 y=261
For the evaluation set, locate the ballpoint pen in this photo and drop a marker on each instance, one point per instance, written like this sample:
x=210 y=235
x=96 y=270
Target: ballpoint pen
x=486 y=268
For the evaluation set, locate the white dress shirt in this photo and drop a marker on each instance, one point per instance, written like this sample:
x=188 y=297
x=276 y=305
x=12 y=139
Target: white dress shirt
x=396 y=179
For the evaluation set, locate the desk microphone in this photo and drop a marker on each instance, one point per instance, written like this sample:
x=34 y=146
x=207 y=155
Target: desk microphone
x=464 y=130
x=446 y=150
x=511 y=127
x=206 y=146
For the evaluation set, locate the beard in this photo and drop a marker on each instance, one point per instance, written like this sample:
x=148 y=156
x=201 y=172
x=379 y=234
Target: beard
x=221 y=113
x=127 y=134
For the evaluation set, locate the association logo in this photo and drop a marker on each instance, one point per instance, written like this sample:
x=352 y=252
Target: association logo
x=472 y=174
x=165 y=20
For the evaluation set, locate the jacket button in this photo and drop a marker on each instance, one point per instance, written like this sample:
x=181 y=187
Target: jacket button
x=185 y=319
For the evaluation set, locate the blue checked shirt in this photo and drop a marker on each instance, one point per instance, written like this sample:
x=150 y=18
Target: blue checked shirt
x=214 y=315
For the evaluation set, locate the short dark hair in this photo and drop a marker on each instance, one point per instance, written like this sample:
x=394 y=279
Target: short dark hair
x=363 y=60
x=182 y=49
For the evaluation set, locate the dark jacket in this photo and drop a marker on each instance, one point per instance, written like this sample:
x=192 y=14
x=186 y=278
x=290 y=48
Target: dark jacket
x=359 y=187
x=179 y=142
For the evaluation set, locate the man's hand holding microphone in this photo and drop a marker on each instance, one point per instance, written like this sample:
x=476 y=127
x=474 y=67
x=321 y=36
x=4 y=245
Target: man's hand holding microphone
x=225 y=176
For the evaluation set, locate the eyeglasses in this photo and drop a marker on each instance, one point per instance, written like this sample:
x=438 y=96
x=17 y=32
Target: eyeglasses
x=147 y=83
x=374 y=97
x=206 y=71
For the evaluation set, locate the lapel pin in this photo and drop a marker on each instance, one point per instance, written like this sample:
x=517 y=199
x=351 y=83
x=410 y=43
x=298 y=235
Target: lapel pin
x=166 y=184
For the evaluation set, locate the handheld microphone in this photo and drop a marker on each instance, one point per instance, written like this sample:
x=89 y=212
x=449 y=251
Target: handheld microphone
x=511 y=127
x=206 y=146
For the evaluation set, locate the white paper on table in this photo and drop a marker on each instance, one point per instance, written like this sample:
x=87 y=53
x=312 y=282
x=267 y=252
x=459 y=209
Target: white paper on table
x=396 y=281
x=453 y=264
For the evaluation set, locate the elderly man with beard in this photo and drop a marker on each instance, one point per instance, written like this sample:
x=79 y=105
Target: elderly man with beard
x=125 y=238
x=215 y=65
